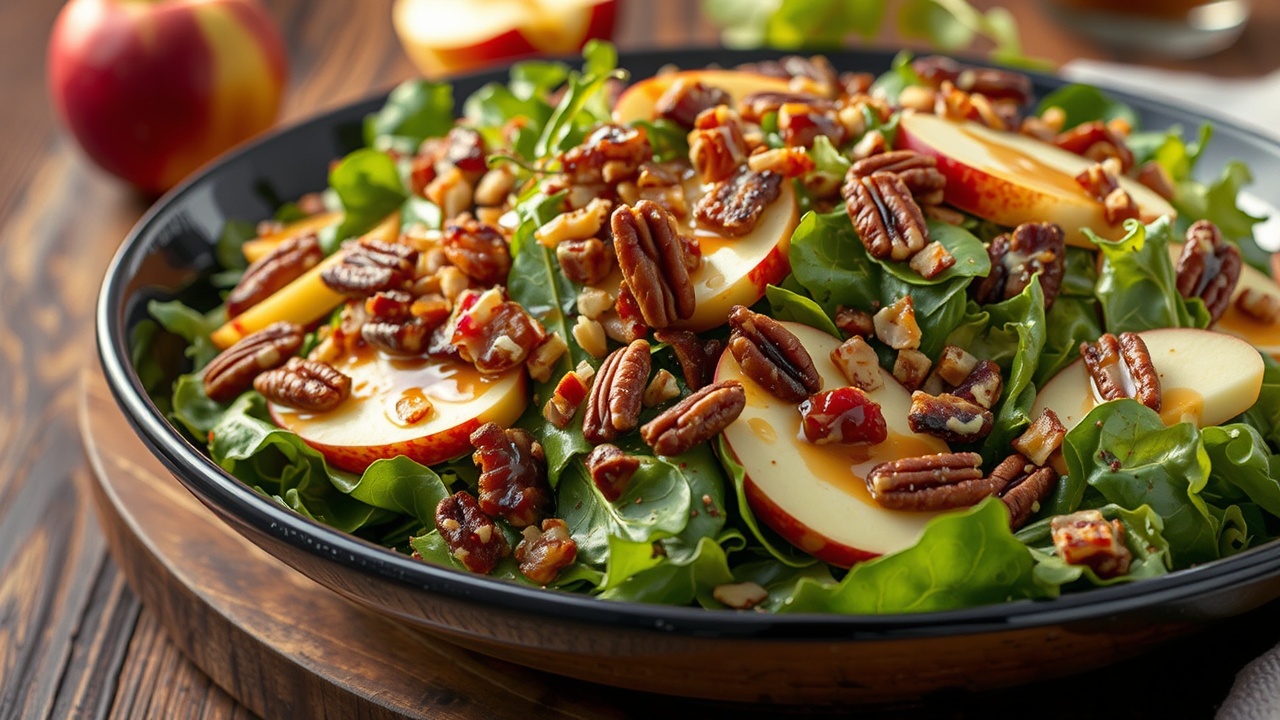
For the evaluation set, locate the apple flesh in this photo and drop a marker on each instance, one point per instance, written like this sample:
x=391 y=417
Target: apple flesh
x=1193 y=384
x=153 y=90
x=1263 y=335
x=1012 y=179
x=638 y=101
x=367 y=426
x=445 y=36
x=815 y=496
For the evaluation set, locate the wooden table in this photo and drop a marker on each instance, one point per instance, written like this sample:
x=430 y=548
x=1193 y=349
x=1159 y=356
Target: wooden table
x=74 y=640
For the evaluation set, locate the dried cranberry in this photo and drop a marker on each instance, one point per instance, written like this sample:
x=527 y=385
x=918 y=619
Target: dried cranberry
x=844 y=415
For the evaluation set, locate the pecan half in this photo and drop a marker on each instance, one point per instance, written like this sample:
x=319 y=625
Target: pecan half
x=682 y=102
x=371 y=266
x=1208 y=268
x=611 y=469
x=513 y=474
x=404 y=337
x=695 y=419
x=1023 y=487
x=303 y=384
x=234 y=369
x=697 y=357
x=948 y=417
x=1086 y=538
x=609 y=154
x=471 y=536
x=652 y=258
x=772 y=356
x=918 y=172
x=733 y=206
x=1018 y=256
x=886 y=216
x=614 y=403
x=931 y=482
x=542 y=554
x=1111 y=358
x=477 y=249
x=285 y=263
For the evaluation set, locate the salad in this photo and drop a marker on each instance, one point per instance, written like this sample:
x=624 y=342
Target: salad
x=777 y=337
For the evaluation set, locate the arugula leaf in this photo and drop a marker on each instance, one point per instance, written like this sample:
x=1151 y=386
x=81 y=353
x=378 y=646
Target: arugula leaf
x=900 y=75
x=190 y=325
x=1137 y=287
x=583 y=104
x=1086 y=103
x=415 y=110
x=367 y=182
x=668 y=139
x=788 y=305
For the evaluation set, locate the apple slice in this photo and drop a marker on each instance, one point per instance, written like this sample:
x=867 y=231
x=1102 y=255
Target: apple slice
x=263 y=244
x=815 y=496
x=637 y=101
x=1011 y=179
x=1263 y=335
x=368 y=426
x=1206 y=378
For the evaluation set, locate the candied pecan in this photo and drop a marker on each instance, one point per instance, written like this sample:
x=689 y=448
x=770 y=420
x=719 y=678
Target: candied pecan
x=697 y=357
x=931 y=482
x=1086 y=538
x=1112 y=357
x=872 y=143
x=717 y=145
x=494 y=334
x=477 y=249
x=982 y=386
x=955 y=364
x=994 y=83
x=371 y=266
x=1261 y=306
x=1208 y=268
x=1023 y=487
x=651 y=256
x=513 y=474
x=772 y=355
x=896 y=324
x=951 y=418
x=918 y=172
x=233 y=370
x=1042 y=438
x=611 y=469
x=859 y=364
x=284 y=264
x=787 y=162
x=613 y=405
x=733 y=206
x=587 y=262
x=494 y=186
x=1096 y=141
x=609 y=154
x=843 y=415
x=1032 y=248
x=695 y=419
x=852 y=321
x=682 y=102
x=800 y=124
x=886 y=216
x=856 y=83
x=955 y=104
x=911 y=367
x=542 y=554
x=932 y=260
x=471 y=536
x=462 y=148
x=403 y=337
x=304 y=385
x=1098 y=180
x=754 y=107
x=413 y=409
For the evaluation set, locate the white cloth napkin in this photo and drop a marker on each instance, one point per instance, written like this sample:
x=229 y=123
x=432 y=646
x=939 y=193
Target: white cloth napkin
x=1256 y=692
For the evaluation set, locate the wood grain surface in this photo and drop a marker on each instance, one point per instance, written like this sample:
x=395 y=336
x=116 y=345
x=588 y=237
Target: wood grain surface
x=74 y=640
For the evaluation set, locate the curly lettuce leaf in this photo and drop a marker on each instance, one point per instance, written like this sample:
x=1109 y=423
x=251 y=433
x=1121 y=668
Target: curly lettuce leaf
x=1137 y=286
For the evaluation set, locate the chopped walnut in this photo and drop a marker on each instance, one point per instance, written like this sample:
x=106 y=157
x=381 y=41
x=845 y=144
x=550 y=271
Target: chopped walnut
x=477 y=249
x=544 y=357
x=932 y=260
x=949 y=417
x=542 y=554
x=911 y=368
x=609 y=154
x=1042 y=438
x=492 y=333
x=494 y=187
x=451 y=191
x=579 y=224
x=586 y=262
x=787 y=162
x=896 y=324
x=589 y=334
x=1086 y=538
x=852 y=321
x=955 y=364
x=1098 y=142
x=982 y=386
x=858 y=362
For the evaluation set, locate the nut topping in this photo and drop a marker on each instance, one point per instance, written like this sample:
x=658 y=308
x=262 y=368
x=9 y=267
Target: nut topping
x=611 y=469
x=896 y=324
x=1086 y=538
x=682 y=102
x=1096 y=141
x=472 y=538
x=494 y=334
x=859 y=364
x=613 y=405
x=1109 y=359
x=609 y=154
x=733 y=206
x=284 y=264
x=479 y=250
x=303 y=384
x=982 y=386
x=717 y=145
x=1016 y=257
x=542 y=554
x=1024 y=487
x=1208 y=268
x=652 y=258
x=772 y=356
x=886 y=216
x=697 y=357
x=949 y=417
x=513 y=474
x=994 y=83
x=918 y=172
x=1042 y=438
x=1261 y=306
x=932 y=482
x=695 y=419
x=234 y=369
x=586 y=262
x=371 y=266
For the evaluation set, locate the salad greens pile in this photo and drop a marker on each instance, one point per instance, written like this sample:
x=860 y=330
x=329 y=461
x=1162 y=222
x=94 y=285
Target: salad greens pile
x=1185 y=496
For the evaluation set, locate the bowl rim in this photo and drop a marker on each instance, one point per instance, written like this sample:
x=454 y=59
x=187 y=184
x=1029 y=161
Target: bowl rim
x=234 y=499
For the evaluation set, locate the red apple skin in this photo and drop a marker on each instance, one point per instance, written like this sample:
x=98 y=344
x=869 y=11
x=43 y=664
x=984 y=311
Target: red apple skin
x=431 y=450
x=154 y=90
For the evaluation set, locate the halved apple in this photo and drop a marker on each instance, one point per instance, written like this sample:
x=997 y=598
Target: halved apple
x=263 y=244
x=1011 y=179
x=637 y=102
x=815 y=496
x=1206 y=378
x=370 y=424
x=1263 y=335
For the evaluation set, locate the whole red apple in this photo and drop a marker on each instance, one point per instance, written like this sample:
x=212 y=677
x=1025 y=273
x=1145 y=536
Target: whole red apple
x=153 y=89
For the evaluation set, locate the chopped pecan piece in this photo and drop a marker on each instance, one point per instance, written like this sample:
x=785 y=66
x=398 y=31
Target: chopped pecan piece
x=1042 y=438
x=1018 y=256
x=982 y=386
x=1119 y=206
x=580 y=224
x=1086 y=538
x=931 y=482
x=570 y=391
x=412 y=409
x=285 y=263
x=733 y=206
x=755 y=106
x=787 y=162
x=493 y=334
x=411 y=336
x=371 y=266
x=843 y=415
x=717 y=144
x=949 y=417
x=652 y=258
x=1261 y=306
x=513 y=474
x=994 y=83
x=479 y=250
x=305 y=385
x=859 y=364
x=1208 y=268
x=800 y=124
x=911 y=367
x=613 y=405
x=932 y=260
x=609 y=154
x=590 y=336
x=494 y=187
x=542 y=554
x=611 y=469
x=886 y=216
x=955 y=364
x=234 y=369
x=918 y=172
x=1096 y=141
x=544 y=357
x=852 y=321
x=586 y=262
x=1112 y=357
x=772 y=356
x=685 y=99
x=896 y=324
x=1023 y=487
x=662 y=388
x=695 y=419
x=740 y=596
x=697 y=357
x=471 y=536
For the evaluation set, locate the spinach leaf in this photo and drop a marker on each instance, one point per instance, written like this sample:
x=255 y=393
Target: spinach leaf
x=1143 y=537
x=1137 y=286
x=367 y=183
x=971 y=257
x=399 y=485
x=190 y=325
x=415 y=110
x=706 y=480
x=1085 y=103
x=1217 y=201
x=193 y=409
x=1264 y=416
x=669 y=140
x=788 y=305
x=1074 y=320
x=633 y=577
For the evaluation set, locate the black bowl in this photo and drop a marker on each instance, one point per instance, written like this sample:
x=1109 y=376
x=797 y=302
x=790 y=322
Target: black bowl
x=683 y=651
